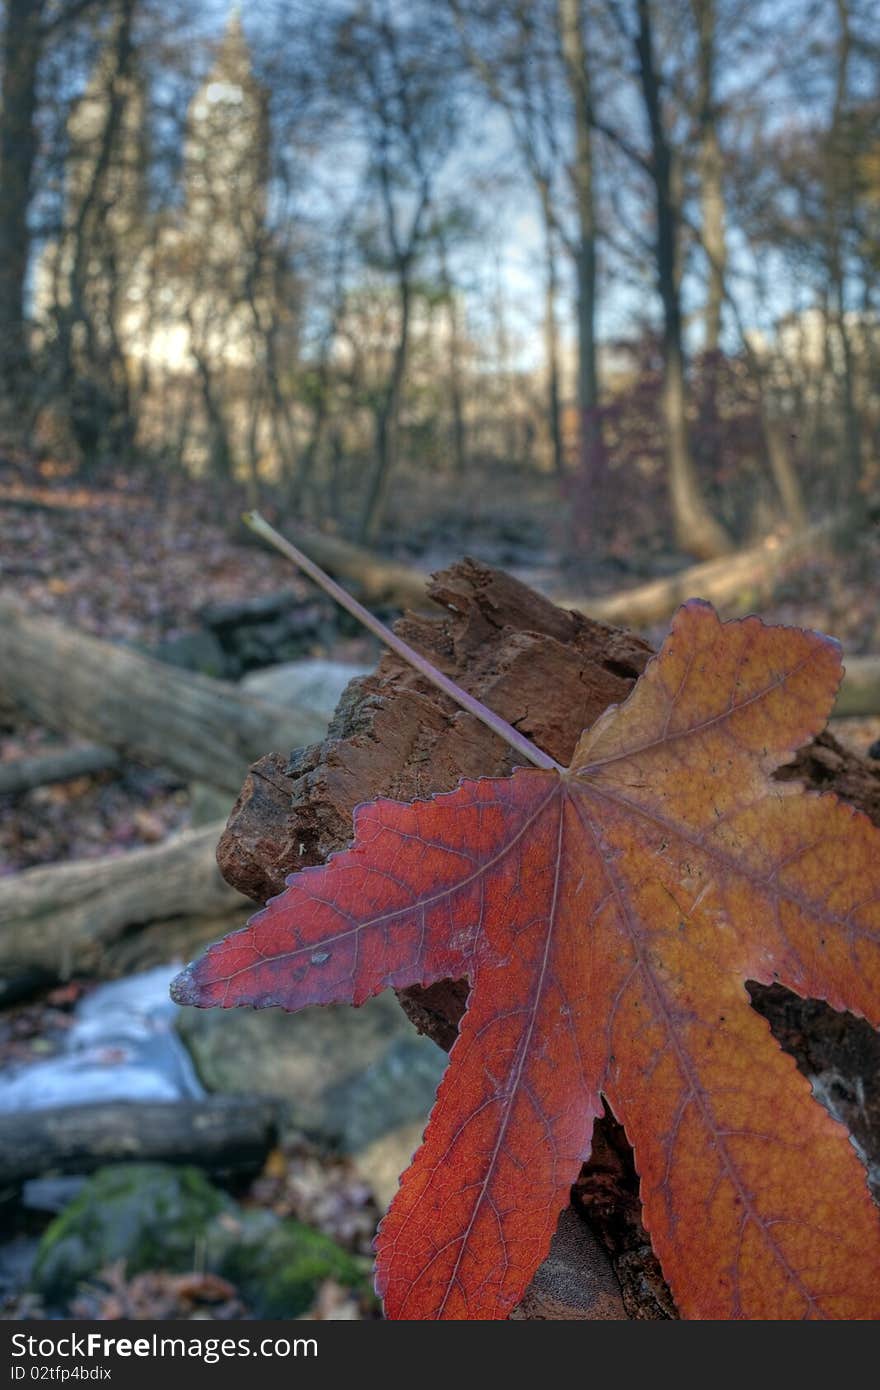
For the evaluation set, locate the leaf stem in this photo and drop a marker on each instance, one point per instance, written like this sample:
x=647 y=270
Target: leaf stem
x=517 y=741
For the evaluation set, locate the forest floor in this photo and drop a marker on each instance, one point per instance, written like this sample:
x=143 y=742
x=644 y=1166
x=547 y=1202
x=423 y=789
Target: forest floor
x=137 y=563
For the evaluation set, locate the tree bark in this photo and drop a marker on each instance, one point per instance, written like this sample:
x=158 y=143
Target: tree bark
x=203 y=729
x=551 y=341
x=711 y=175
x=388 y=416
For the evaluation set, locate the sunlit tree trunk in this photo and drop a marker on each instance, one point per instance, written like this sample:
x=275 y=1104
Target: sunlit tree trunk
x=839 y=155
x=454 y=361
x=696 y=530
x=388 y=416
x=711 y=170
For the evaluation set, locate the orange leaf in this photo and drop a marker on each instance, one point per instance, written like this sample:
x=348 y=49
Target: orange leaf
x=607 y=917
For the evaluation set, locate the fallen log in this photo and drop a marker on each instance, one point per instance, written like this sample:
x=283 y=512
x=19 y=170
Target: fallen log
x=23 y=774
x=378 y=581
x=202 y=729
x=745 y=579
x=742 y=580
x=63 y=918
x=860 y=691
x=229 y=1134
x=551 y=673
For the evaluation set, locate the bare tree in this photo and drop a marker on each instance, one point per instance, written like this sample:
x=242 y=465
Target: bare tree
x=572 y=20
x=30 y=27
x=696 y=529
x=403 y=100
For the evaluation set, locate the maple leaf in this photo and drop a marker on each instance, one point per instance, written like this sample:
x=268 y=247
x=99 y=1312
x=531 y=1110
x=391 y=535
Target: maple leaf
x=607 y=917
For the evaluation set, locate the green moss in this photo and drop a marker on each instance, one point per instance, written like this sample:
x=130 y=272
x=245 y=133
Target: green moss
x=280 y=1265
x=155 y=1216
x=150 y=1215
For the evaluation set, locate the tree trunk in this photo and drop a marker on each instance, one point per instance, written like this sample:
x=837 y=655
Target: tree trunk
x=779 y=458
x=696 y=530
x=388 y=419
x=23 y=774
x=592 y=454
x=94 y=382
x=838 y=156
x=454 y=353
x=225 y=1134
x=204 y=730
x=551 y=334
x=60 y=920
x=22 y=46
x=711 y=169
x=739 y=581
x=744 y=578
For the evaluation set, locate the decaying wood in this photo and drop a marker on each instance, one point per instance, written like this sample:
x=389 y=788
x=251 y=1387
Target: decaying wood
x=222 y=1134
x=63 y=918
x=23 y=774
x=551 y=673
x=202 y=729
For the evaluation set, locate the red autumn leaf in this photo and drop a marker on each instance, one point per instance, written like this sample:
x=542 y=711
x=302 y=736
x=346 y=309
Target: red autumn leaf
x=607 y=917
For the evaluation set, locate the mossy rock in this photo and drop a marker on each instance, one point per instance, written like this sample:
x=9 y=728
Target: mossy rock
x=278 y=1266
x=156 y=1216
x=150 y=1215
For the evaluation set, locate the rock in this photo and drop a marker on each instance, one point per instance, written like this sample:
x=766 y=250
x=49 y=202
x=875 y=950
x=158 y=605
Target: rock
x=349 y=1078
x=384 y=1110
x=397 y=1087
x=383 y=1163
x=151 y=1216
x=194 y=651
x=313 y=685
x=278 y=1266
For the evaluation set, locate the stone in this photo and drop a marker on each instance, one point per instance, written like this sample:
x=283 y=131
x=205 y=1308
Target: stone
x=383 y=1162
x=278 y=1266
x=345 y=1076
x=398 y=1087
x=152 y=1216
x=314 y=684
x=194 y=651
x=149 y=1215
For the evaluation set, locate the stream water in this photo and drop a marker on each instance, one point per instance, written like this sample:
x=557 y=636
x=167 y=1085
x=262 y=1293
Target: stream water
x=122 y=1045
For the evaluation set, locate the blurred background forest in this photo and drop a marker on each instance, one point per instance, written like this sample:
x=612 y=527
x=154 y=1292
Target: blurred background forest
x=587 y=289
x=377 y=259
